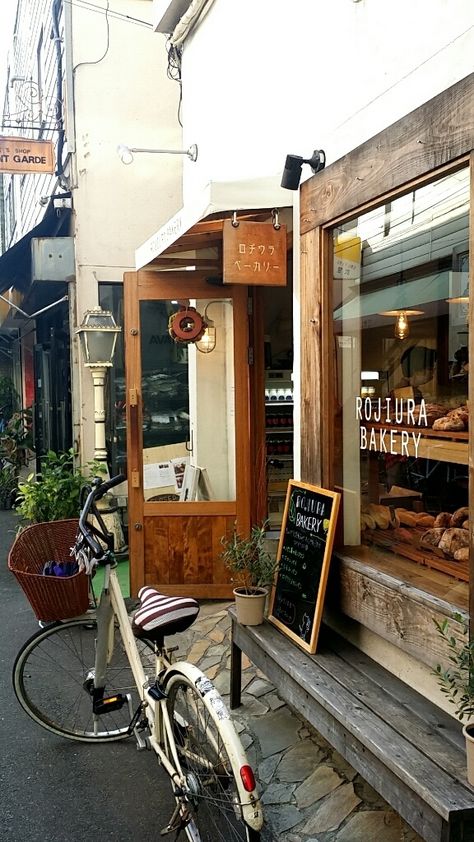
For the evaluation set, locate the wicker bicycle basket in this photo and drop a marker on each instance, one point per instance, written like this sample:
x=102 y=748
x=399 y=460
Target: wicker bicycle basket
x=51 y=597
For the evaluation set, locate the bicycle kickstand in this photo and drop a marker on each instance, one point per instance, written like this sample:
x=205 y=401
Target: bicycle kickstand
x=176 y=823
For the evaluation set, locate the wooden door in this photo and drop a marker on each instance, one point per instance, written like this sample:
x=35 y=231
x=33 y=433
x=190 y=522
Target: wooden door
x=185 y=410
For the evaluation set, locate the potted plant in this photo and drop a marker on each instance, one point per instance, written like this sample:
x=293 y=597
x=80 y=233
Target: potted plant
x=457 y=681
x=253 y=569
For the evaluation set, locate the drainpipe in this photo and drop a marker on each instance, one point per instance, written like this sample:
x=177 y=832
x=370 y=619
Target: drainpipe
x=59 y=88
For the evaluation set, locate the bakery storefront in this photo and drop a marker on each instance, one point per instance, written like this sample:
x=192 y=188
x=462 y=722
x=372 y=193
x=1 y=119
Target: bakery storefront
x=386 y=235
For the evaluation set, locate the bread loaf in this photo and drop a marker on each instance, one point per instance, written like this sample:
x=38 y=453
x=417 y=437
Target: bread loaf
x=453 y=539
x=432 y=537
x=462 y=554
x=425 y=520
x=449 y=424
x=465 y=524
x=381 y=514
x=443 y=519
x=459 y=516
x=405 y=517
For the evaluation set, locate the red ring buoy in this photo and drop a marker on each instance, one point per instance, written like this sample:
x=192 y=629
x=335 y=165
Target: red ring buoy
x=187 y=325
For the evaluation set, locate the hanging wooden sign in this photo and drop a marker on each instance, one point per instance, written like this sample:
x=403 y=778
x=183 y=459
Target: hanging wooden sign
x=21 y=154
x=254 y=254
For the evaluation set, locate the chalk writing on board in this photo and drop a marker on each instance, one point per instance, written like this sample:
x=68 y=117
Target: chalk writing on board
x=303 y=557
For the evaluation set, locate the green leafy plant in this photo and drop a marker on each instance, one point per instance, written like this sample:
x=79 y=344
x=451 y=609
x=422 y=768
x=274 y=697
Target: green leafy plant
x=250 y=564
x=16 y=438
x=54 y=493
x=457 y=681
x=8 y=486
x=9 y=401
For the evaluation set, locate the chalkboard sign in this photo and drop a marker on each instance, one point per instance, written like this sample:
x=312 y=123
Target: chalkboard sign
x=304 y=555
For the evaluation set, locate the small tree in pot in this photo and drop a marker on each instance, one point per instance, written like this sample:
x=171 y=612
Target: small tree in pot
x=253 y=569
x=457 y=681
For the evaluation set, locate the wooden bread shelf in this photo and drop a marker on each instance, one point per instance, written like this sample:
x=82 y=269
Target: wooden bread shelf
x=422 y=555
x=438 y=445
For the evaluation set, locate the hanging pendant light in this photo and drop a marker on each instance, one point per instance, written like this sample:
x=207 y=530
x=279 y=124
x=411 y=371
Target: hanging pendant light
x=401 y=327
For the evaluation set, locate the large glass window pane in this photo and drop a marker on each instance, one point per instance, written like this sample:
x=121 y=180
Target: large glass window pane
x=188 y=407
x=400 y=292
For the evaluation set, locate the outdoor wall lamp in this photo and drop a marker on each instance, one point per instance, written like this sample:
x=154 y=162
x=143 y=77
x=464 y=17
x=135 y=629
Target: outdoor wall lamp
x=125 y=153
x=294 y=164
x=207 y=342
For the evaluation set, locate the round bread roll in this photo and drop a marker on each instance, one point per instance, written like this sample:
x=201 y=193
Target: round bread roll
x=465 y=524
x=453 y=539
x=459 y=516
x=443 y=519
x=462 y=554
x=432 y=537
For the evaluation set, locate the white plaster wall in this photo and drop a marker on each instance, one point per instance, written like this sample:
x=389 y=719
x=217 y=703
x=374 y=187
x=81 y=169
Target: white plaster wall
x=261 y=80
x=121 y=95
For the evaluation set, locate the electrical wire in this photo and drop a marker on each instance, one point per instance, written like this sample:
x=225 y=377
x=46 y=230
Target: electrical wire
x=92 y=7
x=107 y=45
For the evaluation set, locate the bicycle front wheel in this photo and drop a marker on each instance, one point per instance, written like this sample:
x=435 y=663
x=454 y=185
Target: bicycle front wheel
x=213 y=802
x=53 y=677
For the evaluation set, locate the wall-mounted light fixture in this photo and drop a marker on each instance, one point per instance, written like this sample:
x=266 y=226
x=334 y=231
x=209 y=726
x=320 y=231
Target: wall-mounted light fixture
x=126 y=153
x=401 y=327
x=294 y=164
x=208 y=340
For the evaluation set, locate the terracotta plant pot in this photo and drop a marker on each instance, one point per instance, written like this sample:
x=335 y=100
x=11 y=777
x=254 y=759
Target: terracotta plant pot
x=250 y=607
x=468 y=732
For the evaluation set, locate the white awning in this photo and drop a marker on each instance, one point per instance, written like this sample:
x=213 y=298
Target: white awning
x=217 y=197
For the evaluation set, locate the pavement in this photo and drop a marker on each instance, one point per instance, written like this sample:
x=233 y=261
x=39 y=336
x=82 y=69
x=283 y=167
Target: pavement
x=309 y=792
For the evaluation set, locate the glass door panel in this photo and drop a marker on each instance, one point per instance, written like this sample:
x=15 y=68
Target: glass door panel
x=188 y=407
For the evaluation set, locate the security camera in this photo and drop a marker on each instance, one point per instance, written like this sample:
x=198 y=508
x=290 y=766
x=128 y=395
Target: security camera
x=294 y=164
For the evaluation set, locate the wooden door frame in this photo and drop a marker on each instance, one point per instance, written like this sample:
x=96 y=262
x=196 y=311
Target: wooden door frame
x=148 y=285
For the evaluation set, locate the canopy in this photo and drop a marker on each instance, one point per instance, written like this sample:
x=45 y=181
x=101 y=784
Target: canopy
x=217 y=199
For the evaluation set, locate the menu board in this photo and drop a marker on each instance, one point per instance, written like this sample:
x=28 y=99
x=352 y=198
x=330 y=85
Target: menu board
x=304 y=555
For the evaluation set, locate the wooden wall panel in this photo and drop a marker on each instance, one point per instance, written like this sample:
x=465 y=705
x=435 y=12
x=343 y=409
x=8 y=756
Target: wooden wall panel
x=394 y=614
x=437 y=133
x=311 y=347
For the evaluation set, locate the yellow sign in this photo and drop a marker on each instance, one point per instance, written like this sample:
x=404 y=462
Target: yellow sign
x=21 y=154
x=254 y=254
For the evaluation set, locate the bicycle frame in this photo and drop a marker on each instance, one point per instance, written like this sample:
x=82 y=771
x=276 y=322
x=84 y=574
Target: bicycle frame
x=161 y=731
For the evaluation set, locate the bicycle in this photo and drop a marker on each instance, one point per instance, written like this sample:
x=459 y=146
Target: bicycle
x=105 y=676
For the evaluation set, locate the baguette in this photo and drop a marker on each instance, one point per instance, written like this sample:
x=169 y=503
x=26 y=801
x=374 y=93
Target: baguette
x=425 y=520
x=405 y=517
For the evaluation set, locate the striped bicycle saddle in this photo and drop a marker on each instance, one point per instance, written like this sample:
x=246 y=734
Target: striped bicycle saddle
x=159 y=614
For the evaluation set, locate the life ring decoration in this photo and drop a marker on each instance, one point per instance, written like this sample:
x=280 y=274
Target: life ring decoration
x=187 y=325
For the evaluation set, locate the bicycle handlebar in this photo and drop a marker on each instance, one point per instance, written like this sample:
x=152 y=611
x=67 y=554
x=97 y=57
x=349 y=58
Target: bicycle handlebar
x=95 y=493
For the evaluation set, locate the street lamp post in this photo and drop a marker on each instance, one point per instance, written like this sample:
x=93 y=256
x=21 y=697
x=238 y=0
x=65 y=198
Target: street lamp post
x=98 y=334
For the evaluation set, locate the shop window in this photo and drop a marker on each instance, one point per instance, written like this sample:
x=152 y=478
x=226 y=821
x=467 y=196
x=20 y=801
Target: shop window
x=400 y=328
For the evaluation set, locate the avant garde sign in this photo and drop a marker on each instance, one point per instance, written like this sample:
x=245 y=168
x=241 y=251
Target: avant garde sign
x=254 y=254
x=23 y=155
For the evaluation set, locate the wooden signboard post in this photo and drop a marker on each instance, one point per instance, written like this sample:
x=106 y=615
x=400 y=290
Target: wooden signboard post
x=304 y=555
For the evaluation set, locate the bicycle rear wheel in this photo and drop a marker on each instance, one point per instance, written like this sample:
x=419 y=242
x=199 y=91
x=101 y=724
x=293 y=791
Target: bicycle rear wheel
x=213 y=798
x=52 y=677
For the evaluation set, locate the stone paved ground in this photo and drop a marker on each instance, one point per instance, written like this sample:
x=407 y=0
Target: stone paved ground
x=309 y=792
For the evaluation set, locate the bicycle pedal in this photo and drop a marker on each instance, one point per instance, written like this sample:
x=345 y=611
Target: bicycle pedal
x=109 y=703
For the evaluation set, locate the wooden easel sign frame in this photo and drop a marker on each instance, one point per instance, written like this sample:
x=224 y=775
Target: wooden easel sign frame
x=304 y=555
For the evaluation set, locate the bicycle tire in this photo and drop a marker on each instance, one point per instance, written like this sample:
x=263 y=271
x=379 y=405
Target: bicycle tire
x=51 y=680
x=214 y=812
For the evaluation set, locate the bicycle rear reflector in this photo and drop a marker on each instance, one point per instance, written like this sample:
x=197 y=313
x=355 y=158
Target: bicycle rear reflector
x=248 y=778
